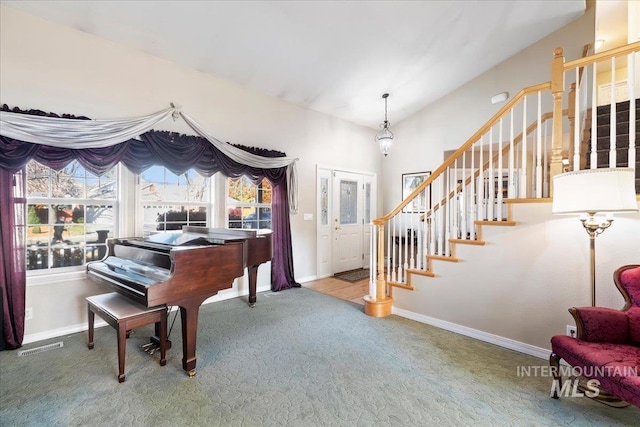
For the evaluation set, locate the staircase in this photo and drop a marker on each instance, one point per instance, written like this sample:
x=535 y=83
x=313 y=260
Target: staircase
x=511 y=159
x=603 y=152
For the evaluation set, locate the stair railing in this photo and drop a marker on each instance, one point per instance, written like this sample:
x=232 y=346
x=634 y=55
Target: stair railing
x=508 y=157
x=606 y=79
x=470 y=188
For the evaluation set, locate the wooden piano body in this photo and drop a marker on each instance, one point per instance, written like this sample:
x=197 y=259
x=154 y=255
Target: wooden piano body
x=183 y=269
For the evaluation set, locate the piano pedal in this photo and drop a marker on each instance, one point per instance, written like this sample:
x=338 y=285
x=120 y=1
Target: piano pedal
x=150 y=348
x=146 y=346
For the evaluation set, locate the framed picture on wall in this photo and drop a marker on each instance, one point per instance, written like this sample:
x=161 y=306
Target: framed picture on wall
x=411 y=181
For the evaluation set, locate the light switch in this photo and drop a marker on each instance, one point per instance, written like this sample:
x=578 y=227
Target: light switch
x=308 y=217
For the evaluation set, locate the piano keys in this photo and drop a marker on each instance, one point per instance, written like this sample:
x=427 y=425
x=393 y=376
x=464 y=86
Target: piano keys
x=183 y=269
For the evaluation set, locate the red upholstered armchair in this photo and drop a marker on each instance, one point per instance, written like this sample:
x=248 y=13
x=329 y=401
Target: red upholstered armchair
x=607 y=344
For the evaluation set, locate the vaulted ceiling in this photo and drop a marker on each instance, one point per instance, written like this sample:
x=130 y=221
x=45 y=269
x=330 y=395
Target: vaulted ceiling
x=336 y=57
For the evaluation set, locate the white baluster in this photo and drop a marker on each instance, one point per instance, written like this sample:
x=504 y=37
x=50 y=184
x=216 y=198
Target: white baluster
x=441 y=217
x=390 y=250
x=463 y=196
x=491 y=183
x=447 y=218
x=473 y=204
x=545 y=168
x=613 y=119
x=499 y=174
x=523 y=166
x=539 y=149
x=576 y=125
x=631 y=74
x=511 y=190
x=455 y=203
x=481 y=180
x=432 y=249
x=594 y=119
x=412 y=262
x=419 y=228
x=395 y=257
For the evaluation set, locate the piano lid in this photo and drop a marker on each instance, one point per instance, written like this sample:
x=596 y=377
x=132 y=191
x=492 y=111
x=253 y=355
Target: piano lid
x=228 y=234
x=183 y=239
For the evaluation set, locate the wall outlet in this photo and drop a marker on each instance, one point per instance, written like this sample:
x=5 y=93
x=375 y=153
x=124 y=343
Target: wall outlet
x=28 y=313
x=571 y=331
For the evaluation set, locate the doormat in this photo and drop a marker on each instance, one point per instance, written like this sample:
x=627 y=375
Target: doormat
x=353 y=275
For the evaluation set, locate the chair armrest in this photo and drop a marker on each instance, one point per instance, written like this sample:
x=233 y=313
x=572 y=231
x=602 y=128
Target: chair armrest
x=601 y=324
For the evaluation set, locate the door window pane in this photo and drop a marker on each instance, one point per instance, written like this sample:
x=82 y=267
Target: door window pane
x=348 y=202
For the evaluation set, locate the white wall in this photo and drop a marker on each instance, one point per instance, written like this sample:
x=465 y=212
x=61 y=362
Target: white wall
x=54 y=68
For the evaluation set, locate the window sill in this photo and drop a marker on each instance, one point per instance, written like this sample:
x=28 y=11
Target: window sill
x=49 y=277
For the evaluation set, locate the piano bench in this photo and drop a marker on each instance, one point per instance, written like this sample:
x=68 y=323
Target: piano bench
x=123 y=314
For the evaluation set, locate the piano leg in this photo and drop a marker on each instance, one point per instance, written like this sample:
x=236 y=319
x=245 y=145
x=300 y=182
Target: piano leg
x=189 y=318
x=253 y=279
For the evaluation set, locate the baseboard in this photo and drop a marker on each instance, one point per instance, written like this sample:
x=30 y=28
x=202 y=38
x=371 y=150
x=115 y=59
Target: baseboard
x=306 y=279
x=521 y=347
x=54 y=333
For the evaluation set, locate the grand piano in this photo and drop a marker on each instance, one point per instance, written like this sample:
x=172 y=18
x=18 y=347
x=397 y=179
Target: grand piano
x=183 y=269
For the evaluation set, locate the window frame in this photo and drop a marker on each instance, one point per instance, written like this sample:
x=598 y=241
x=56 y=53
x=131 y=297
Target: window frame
x=244 y=205
x=114 y=203
x=142 y=226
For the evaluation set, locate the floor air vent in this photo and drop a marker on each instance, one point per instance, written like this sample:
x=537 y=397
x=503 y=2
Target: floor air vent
x=40 y=349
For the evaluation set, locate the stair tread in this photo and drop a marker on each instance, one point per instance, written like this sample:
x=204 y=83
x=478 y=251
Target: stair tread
x=400 y=285
x=426 y=273
x=443 y=258
x=468 y=242
x=498 y=223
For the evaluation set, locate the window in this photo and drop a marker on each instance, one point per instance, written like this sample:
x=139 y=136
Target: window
x=70 y=214
x=171 y=201
x=248 y=204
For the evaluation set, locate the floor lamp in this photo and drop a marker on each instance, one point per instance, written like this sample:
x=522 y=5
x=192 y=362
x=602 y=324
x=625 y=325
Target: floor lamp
x=592 y=191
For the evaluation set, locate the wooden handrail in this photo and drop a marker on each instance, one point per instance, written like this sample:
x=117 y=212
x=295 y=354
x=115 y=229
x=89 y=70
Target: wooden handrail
x=468 y=144
x=607 y=54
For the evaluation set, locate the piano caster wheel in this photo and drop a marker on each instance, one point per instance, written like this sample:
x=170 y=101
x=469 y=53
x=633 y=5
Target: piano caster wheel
x=120 y=378
x=252 y=304
x=191 y=373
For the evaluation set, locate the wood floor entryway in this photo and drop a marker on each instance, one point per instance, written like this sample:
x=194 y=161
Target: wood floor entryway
x=353 y=292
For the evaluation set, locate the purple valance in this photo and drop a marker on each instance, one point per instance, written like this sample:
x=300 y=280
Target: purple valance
x=176 y=152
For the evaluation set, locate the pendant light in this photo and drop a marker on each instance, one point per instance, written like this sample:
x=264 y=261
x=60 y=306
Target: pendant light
x=385 y=137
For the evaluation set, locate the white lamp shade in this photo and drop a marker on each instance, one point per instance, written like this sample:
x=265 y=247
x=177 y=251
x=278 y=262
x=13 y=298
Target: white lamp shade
x=595 y=190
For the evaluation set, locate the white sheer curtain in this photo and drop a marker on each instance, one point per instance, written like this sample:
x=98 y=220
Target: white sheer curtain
x=80 y=134
x=245 y=158
x=74 y=133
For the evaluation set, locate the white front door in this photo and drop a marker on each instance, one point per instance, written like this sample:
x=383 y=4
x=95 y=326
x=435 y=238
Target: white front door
x=347 y=221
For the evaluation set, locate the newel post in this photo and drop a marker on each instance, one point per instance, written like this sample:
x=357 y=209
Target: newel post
x=557 y=90
x=381 y=304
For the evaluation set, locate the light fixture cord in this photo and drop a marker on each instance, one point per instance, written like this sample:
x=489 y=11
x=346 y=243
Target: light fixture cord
x=385 y=110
